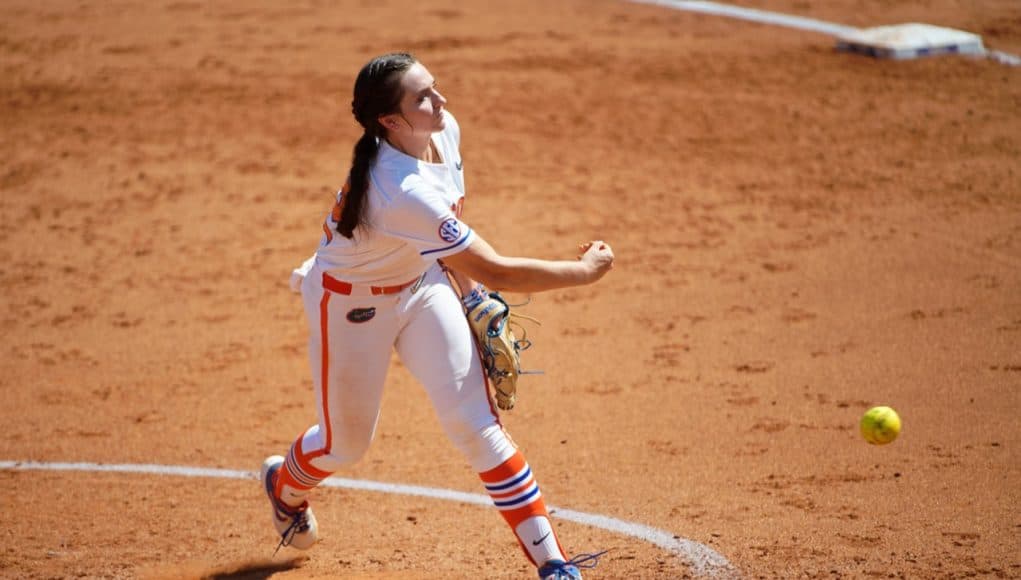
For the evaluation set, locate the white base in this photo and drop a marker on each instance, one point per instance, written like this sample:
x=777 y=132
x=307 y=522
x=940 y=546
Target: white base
x=904 y=41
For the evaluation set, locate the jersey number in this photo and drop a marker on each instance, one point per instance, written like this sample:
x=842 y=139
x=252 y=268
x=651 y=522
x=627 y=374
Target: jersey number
x=338 y=207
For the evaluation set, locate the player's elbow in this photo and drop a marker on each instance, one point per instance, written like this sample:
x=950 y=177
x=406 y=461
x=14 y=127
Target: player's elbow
x=493 y=271
x=482 y=263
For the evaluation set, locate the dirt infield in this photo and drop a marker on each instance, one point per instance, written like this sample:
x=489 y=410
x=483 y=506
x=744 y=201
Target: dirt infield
x=801 y=234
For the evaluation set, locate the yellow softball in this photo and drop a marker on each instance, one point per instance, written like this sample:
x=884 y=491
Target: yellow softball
x=880 y=425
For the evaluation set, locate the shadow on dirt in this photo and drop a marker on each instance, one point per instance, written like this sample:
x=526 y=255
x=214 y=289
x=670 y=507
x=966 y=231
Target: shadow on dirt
x=259 y=570
x=242 y=570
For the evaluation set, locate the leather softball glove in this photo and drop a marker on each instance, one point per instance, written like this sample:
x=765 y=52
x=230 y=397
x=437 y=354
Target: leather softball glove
x=491 y=321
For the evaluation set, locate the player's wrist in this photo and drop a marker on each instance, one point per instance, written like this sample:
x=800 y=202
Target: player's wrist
x=595 y=269
x=477 y=295
x=588 y=272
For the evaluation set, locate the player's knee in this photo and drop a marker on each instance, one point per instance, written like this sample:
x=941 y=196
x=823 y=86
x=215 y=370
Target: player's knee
x=346 y=452
x=484 y=448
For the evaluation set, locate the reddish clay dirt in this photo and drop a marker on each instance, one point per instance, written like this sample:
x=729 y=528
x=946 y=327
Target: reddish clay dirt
x=801 y=234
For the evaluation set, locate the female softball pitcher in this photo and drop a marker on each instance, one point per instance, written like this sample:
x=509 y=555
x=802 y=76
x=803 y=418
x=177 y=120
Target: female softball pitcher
x=378 y=282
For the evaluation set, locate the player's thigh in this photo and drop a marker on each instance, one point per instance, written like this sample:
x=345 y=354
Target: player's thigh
x=437 y=347
x=350 y=340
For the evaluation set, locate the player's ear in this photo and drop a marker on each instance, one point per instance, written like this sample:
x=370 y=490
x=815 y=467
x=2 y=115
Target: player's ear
x=389 y=122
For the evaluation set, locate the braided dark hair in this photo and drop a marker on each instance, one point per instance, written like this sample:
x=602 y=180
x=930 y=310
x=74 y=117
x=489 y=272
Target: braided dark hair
x=377 y=92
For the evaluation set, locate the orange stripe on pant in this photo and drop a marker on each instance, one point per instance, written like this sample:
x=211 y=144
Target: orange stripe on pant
x=324 y=387
x=297 y=460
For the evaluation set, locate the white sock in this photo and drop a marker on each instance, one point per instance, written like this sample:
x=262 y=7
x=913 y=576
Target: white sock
x=536 y=534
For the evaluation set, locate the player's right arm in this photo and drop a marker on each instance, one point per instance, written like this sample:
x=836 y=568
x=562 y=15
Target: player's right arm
x=513 y=274
x=423 y=217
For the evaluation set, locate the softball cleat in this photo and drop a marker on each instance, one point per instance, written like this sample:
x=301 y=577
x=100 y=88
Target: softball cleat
x=559 y=570
x=297 y=526
x=569 y=570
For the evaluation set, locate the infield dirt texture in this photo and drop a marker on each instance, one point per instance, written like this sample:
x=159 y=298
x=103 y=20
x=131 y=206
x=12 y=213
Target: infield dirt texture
x=801 y=234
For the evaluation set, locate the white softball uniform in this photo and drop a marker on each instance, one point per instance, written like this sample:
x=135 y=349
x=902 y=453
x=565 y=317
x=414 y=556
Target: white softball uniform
x=384 y=290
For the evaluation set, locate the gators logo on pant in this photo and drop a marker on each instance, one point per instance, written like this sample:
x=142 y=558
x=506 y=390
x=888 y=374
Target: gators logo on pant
x=359 y=315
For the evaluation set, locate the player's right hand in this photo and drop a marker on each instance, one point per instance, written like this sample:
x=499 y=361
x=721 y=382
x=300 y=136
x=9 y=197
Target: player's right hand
x=598 y=256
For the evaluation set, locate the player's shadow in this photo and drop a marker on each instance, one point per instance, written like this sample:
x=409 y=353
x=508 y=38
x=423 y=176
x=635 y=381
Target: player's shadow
x=253 y=570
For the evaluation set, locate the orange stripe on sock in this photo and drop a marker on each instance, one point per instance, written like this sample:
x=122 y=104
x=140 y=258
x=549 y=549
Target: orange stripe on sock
x=305 y=461
x=284 y=477
x=509 y=469
x=516 y=516
x=505 y=470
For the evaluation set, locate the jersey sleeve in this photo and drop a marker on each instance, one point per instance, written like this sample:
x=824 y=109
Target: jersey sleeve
x=421 y=218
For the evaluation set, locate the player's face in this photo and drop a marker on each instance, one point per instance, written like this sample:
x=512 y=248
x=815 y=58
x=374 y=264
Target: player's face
x=422 y=105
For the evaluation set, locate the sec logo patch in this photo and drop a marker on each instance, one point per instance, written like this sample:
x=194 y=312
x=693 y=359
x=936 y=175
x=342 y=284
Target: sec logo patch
x=450 y=230
x=359 y=315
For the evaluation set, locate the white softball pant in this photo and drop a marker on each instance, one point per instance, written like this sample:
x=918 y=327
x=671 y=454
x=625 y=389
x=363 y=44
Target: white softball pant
x=350 y=341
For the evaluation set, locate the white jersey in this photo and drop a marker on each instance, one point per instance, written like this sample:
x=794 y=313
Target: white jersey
x=412 y=218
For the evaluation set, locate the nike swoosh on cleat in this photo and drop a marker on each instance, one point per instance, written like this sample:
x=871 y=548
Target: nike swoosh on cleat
x=539 y=541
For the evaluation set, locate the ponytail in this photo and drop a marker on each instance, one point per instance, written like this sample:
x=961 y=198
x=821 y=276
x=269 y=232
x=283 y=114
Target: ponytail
x=377 y=92
x=353 y=213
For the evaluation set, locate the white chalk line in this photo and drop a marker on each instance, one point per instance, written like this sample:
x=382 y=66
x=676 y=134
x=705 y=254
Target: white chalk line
x=753 y=15
x=704 y=561
x=791 y=21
